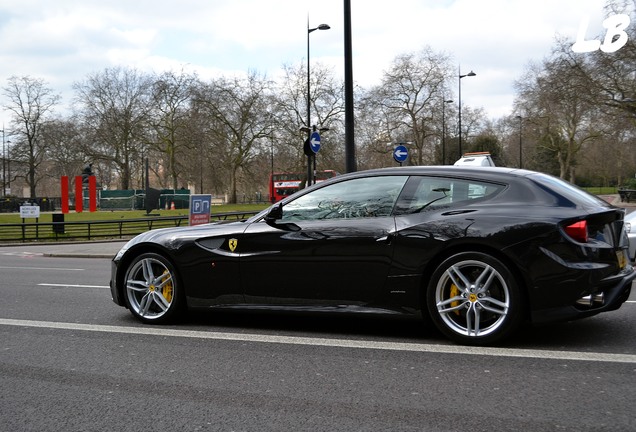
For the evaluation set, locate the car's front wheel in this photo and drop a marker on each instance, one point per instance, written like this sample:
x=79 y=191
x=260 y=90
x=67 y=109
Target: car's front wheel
x=473 y=298
x=153 y=294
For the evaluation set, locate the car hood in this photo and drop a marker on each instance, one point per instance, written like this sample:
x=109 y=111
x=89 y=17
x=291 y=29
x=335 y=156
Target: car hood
x=175 y=238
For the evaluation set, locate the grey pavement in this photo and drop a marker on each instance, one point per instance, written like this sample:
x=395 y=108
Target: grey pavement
x=616 y=200
x=108 y=249
x=98 y=249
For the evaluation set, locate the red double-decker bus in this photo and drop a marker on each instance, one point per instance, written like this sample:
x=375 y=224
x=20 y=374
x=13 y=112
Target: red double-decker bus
x=282 y=185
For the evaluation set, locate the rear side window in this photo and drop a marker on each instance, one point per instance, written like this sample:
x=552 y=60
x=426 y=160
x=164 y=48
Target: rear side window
x=562 y=188
x=422 y=193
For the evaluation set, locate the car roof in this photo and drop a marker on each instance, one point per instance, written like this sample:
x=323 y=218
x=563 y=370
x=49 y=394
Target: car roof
x=546 y=188
x=462 y=170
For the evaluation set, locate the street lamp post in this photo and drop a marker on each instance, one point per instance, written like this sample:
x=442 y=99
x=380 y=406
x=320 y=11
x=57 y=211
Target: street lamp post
x=520 y=148
x=8 y=188
x=4 y=171
x=444 y=129
x=350 y=148
x=469 y=74
x=309 y=129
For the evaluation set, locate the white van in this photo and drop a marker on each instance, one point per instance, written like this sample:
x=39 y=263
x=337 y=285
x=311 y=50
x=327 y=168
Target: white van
x=475 y=159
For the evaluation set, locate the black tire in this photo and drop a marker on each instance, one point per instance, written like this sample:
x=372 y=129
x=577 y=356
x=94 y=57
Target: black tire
x=152 y=290
x=474 y=299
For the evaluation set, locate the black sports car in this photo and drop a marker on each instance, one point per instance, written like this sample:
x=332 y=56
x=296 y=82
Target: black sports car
x=478 y=250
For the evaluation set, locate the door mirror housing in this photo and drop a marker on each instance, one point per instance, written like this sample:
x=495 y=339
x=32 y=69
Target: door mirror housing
x=275 y=213
x=273 y=217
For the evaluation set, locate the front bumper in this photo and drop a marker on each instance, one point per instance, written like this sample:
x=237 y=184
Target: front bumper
x=114 y=292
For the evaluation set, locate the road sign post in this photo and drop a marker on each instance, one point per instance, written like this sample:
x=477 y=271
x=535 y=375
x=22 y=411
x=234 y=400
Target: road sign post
x=400 y=154
x=200 y=209
x=314 y=142
x=312 y=146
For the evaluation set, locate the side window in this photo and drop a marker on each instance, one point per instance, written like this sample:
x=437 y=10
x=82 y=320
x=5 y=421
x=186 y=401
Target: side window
x=422 y=193
x=355 y=198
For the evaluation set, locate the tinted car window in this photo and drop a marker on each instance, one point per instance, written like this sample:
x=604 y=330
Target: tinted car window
x=574 y=194
x=356 y=198
x=423 y=192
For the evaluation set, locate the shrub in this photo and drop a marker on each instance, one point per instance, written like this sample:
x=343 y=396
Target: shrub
x=629 y=184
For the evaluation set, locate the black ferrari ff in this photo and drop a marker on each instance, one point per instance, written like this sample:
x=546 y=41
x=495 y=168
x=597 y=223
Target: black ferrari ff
x=477 y=250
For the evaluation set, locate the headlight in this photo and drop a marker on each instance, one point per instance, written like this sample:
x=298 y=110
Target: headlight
x=628 y=227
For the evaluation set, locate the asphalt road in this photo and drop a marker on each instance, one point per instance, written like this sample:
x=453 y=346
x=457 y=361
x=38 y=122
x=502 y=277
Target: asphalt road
x=71 y=360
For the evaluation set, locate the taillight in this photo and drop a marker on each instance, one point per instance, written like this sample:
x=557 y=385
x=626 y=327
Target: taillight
x=578 y=231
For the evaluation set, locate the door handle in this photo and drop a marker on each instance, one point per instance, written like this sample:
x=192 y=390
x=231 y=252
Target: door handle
x=385 y=238
x=457 y=212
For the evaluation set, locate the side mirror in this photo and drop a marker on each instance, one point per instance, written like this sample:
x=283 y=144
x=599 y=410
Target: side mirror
x=274 y=214
x=273 y=217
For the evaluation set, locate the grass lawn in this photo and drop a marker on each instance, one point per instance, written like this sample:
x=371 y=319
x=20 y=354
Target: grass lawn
x=602 y=190
x=6 y=218
x=101 y=224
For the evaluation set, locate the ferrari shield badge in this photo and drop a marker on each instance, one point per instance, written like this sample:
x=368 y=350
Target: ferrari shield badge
x=232 y=244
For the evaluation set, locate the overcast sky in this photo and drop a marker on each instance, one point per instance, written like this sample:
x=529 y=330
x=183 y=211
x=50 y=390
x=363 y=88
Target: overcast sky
x=62 y=41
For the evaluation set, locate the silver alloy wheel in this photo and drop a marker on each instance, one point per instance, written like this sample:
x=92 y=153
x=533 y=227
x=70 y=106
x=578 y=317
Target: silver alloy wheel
x=150 y=288
x=472 y=298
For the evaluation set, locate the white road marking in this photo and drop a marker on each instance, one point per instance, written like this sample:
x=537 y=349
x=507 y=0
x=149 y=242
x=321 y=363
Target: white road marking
x=73 y=286
x=336 y=343
x=40 y=268
x=21 y=254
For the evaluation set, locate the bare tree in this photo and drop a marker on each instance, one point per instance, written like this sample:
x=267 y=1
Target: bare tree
x=611 y=88
x=169 y=121
x=239 y=120
x=373 y=132
x=553 y=94
x=65 y=151
x=289 y=114
x=579 y=106
x=289 y=111
x=31 y=102
x=410 y=92
x=114 y=106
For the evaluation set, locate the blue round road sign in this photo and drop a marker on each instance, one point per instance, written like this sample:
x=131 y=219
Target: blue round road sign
x=314 y=142
x=400 y=153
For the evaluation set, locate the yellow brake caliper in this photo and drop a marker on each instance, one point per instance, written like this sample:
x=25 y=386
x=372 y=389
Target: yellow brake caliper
x=454 y=291
x=167 y=288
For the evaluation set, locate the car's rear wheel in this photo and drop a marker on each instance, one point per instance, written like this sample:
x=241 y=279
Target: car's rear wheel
x=473 y=298
x=153 y=294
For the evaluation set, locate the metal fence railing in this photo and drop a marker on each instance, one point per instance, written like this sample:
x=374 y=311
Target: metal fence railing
x=111 y=229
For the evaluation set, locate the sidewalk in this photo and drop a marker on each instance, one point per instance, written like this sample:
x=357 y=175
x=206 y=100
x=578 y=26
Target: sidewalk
x=103 y=249
x=616 y=200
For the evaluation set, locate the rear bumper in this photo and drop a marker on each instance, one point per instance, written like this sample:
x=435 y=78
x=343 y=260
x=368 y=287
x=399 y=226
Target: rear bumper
x=614 y=295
